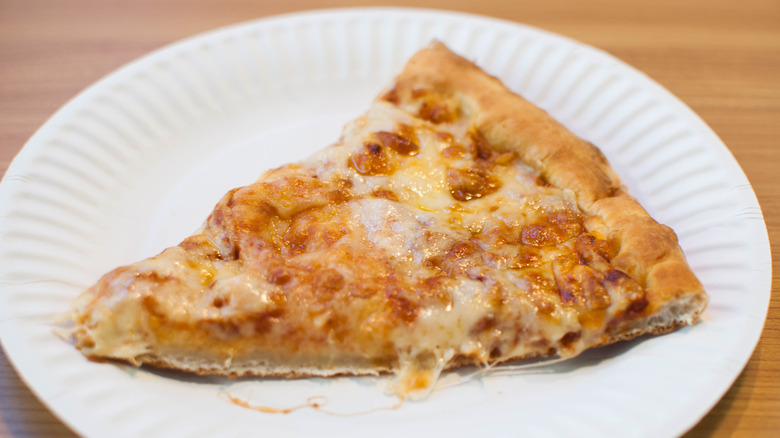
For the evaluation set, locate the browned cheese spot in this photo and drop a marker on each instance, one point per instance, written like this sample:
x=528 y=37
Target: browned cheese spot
x=468 y=184
x=220 y=302
x=487 y=322
x=526 y=257
x=479 y=148
x=540 y=292
x=257 y=217
x=541 y=181
x=435 y=107
x=461 y=256
x=151 y=306
x=552 y=229
x=314 y=229
x=582 y=287
x=392 y=96
x=595 y=252
x=327 y=283
x=454 y=151
x=434 y=290
x=404 y=145
x=338 y=196
x=200 y=244
x=384 y=194
x=372 y=160
x=279 y=276
x=400 y=306
x=436 y=112
x=619 y=281
x=445 y=137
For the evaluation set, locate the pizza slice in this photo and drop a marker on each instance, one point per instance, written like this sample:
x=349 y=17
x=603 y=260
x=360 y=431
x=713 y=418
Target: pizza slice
x=453 y=224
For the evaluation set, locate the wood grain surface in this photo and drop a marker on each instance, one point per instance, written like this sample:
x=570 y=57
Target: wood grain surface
x=720 y=57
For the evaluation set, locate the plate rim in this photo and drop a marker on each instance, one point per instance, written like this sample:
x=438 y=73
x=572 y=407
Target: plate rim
x=761 y=240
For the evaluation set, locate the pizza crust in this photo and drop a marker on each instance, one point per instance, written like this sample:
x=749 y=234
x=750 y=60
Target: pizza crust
x=362 y=261
x=648 y=251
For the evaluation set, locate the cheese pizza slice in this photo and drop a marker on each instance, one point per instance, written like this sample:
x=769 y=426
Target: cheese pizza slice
x=453 y=224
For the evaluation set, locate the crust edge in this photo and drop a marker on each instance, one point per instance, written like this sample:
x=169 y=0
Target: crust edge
x=649 y=252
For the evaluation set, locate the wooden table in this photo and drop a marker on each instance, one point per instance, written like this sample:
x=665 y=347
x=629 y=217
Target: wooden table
x=721 y=57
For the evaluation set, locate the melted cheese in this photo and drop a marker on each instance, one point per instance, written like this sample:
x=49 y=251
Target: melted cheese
x=406 y=246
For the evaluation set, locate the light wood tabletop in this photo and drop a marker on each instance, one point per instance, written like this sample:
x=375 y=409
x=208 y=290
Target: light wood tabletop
x=721 y=57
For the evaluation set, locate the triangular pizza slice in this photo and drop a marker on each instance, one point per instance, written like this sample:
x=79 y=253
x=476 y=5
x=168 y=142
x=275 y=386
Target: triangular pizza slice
x=453 y=224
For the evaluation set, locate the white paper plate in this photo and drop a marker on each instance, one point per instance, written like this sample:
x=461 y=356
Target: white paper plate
x=137 y=161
